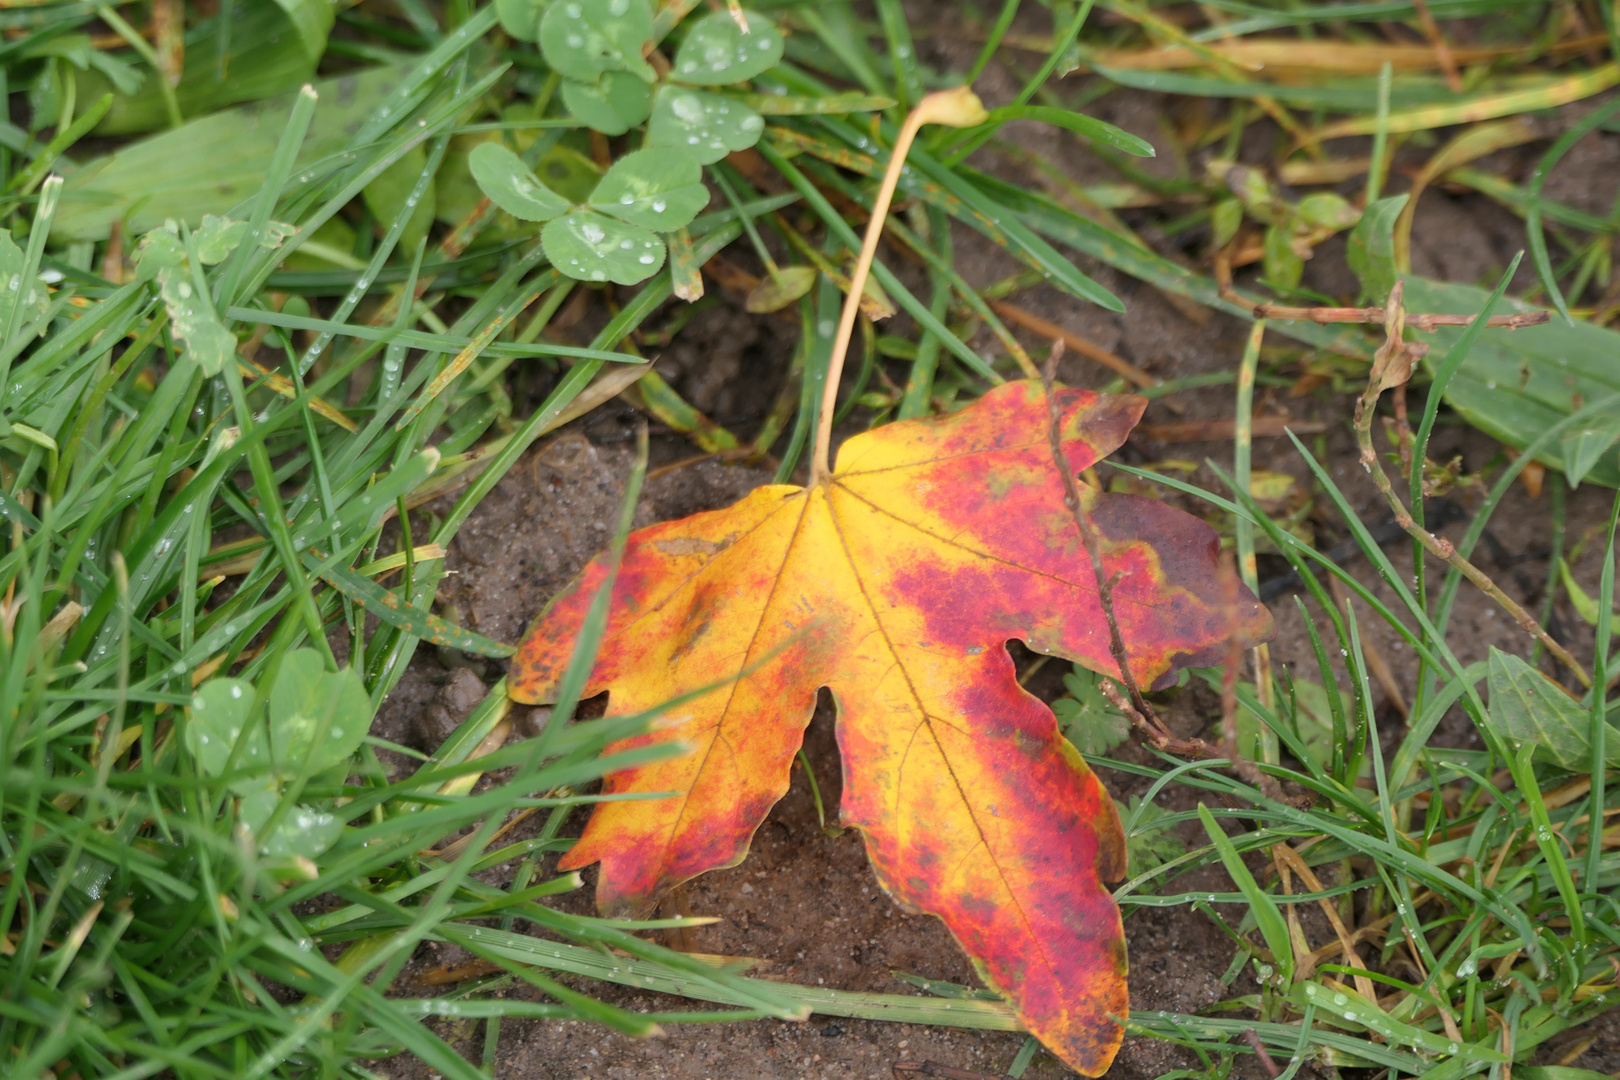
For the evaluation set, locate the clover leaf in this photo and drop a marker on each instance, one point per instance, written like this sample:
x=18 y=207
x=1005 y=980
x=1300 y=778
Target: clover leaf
x=717 y=51
x=706 y=125
x=613 y=105
x=521 y=18
x=220 y=709
x=162 y=255
x=318 y=718
x=659 y=189
x=581 y=39
x=303 y=830
x=502 y=176
x=589 y=246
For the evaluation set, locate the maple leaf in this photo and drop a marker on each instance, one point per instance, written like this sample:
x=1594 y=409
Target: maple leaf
x=895 y=582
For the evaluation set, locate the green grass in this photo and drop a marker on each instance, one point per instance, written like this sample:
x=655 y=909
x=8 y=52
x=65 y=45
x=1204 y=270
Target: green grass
x=146 y=929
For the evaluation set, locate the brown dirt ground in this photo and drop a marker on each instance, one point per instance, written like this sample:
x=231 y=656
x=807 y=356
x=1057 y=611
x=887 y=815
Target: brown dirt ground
x=806 y=900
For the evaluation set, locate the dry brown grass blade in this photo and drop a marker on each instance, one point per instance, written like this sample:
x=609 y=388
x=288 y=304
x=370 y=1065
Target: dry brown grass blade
x=1206 y=430
x=284 y=386
x=1470 y=145
x=445 y=976
x=1286 y=855
x=1437 y=41
x=1330 y=171
x=1292 y=58
x=456 y=473
x=1089 y=349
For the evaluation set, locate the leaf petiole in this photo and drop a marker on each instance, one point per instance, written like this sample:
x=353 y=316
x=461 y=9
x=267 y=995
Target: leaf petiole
x=959 y=107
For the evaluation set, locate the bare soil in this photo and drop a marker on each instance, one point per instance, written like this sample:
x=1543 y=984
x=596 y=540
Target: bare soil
x=805 y=900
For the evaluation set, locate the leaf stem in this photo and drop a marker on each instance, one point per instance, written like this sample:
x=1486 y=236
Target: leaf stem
x=1130 y=701
x=1392 y=366
x=959 y=107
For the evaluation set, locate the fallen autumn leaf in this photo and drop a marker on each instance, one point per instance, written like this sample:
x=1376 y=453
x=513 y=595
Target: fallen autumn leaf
x=895 y=581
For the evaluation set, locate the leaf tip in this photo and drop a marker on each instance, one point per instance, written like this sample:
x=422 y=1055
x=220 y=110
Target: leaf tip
x=958 y=107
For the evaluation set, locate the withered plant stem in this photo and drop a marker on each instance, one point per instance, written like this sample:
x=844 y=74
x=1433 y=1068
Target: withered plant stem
x=1252 y=1037
x=1130 y=701
x=1425 y=322
x=1089 y=534
x=1438 y=546
x=959 y=107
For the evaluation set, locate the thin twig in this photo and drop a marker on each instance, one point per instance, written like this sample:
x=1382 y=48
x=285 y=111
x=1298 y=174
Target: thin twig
x=1252 y=1037
x=1157 y=735
x=1130 y=701
x=1426 y=323
x=1391 y=366
x=1089 y=534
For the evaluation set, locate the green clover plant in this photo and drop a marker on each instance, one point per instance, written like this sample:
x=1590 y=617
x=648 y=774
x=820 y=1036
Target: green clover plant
x=599 y=50
x=312 y=723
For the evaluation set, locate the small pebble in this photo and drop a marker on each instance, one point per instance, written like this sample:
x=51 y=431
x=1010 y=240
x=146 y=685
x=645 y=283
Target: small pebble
x=746 y=889
x=831 y=1031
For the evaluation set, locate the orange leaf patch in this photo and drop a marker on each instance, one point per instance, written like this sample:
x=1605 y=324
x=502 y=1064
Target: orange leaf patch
x=896 y=584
